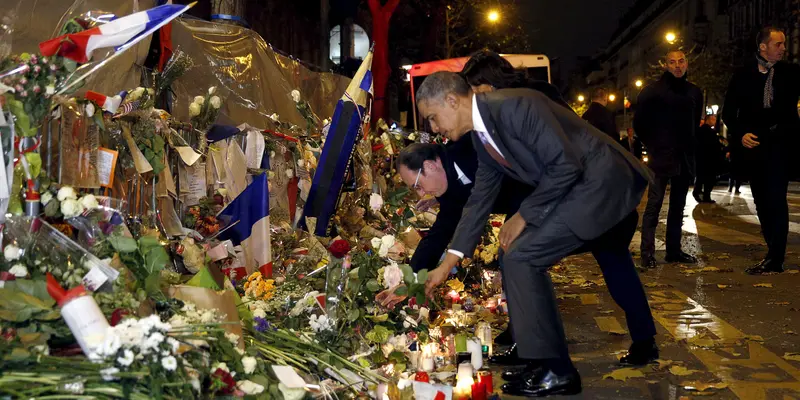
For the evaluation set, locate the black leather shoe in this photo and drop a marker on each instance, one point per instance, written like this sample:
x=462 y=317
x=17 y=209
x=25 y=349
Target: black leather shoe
x=505 y=338
x=641 y=353
x=681 y=257
x=649 y=262
x=766 y=266
x=516 y=373
x=710 y=201
x=544 y=382
x=508 y=357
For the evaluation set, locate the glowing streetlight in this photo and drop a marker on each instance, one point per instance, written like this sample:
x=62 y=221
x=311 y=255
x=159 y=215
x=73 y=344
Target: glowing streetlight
x=493 y=16
x=638 y=83
x=670 y=37
x=581 y=98
x=612 y=97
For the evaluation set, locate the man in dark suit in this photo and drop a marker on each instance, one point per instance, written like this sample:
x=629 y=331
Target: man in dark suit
x=761 y=114
x=599 y=116
x=587 y=190
x=667 y=115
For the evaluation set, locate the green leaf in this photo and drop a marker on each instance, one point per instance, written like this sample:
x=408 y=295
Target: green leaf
x=422 y=276
x=420 y=298
x=373 y=285
x=69 y=65
x=153 y=284
x=353 y=315
x=35 y=161
x=156 y=259
x=379 y=334
x=379 y=318
x=401 y=291
x=362 y=274
x=408 y=274
x=158 y=143
x=123 y=244
x=148 y=242
x=36 y=288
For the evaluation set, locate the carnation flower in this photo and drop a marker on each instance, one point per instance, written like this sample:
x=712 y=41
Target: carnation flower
x=89 y=202
x=249 y=364
x=19 y=271
x=199 y=100
x=215 y=102
x=375 y=202
x=392 y=276
x=250 y=388
x=259 y=313
x=169 y=363
x=71 y=208
x=296 y=95
x=232 y=337
x=46 y=197
x=12 y=252
x=127 y=358
x=67 y=192
x=194 y=109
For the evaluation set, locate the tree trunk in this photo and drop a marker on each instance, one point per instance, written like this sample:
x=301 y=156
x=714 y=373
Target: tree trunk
x=381 y=16
x=233 y=8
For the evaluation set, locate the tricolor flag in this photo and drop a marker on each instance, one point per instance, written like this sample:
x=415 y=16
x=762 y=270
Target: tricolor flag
x=110 y=104
x=246 y=221
x=117 y=33
x=340 y=142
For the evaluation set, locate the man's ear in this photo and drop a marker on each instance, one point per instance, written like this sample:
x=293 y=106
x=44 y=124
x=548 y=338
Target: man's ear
x=451 y=99
x=431 y=165
x=762 y=46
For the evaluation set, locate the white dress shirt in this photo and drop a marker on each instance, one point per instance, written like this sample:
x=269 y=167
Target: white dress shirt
x=462 y=177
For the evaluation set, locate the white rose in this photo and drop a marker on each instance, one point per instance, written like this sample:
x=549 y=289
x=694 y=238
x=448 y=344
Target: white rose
x=212 y=89
x=12 y=252
x=251 y=388
x=375 y=202
x=194 y=109
x=46 y=197
x=89 y=109
x=71 y=208
x=215 y=102
x=376 y=243
x=89 y=202
x=249 y=364
x=424 y=313
x=169 y=363
x=199 y=100
x=19 y=271
x=67 y=192
x=386 y=244
x=221 y=366
x=296 y=95
x=392 y=276
x=50 y=90
x=289 y=173
x=259 y=313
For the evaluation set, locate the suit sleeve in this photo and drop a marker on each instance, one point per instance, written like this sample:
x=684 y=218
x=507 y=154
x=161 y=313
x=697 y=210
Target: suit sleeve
x=730 y=113
x=532 y=122
x=612 y=126
x=488 y=181
x=432 y=246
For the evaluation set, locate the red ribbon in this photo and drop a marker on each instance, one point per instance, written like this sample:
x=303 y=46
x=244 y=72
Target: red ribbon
x=282 y=136
x=266 y=270
x=60 y=295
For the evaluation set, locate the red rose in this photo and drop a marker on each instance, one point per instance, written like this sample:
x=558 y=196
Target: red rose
x=422 y=377
x=497 y=224
x=118 y=315
x=224 y=381
x=339 y=248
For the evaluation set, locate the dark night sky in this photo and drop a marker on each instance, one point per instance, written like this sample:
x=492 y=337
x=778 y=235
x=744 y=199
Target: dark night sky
x=568 y=29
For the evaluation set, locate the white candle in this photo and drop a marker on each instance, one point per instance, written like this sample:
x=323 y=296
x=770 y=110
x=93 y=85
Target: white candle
x=427 y=363
x=86 y=321
x=464 y=371
x=476 y=353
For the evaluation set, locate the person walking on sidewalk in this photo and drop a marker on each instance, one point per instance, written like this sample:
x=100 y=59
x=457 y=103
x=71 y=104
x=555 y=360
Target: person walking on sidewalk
x=760 y=111
x=666 y=119
x=707 y=158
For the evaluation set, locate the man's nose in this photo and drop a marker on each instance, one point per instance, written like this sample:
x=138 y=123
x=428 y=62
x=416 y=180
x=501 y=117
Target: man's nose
x=421 y=192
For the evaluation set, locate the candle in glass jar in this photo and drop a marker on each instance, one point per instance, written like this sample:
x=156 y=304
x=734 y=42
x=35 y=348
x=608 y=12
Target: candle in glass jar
x=485 y=377
x=478 y=391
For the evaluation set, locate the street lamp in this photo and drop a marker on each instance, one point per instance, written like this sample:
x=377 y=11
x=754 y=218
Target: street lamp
x=670 y=37
x=581 y=98
x=493 y=16
x=612 y=97
x=638 y=83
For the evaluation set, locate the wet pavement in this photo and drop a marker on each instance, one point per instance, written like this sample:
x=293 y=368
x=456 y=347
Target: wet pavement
x=723 y=334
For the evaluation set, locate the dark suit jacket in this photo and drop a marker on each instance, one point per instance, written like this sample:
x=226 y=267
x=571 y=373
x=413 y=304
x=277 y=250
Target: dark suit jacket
x=580 y=174
x=601 y=118
x=452 y=202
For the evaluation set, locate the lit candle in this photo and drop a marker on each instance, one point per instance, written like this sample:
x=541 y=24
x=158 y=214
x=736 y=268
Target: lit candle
x=485 y=377
x=454 y=296
x=478 y=391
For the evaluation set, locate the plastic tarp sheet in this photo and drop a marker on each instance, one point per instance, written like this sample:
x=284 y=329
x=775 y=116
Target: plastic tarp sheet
x=253 y=81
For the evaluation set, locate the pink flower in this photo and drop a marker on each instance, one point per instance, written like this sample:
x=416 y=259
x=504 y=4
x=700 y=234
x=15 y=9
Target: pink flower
x=34 y=59
x=53 y=67
x=23 y=94
x=23 y=81
x=37 y=89
x=392 y=276
x=37 y=69
x=18 y=88
x=44 y=60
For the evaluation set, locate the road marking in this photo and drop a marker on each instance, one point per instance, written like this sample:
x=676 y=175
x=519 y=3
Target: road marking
x=636 y=242
x=685 y=319
x=589 y=299
x=610 y=325
x=753 y=219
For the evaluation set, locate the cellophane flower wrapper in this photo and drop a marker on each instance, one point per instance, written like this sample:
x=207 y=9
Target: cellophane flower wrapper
x=95 y=225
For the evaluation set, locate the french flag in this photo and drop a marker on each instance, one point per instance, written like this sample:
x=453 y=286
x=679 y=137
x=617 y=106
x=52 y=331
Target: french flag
x=117 y=33
x=250 y=213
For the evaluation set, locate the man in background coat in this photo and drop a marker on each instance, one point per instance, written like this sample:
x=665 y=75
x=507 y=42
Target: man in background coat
x=599 y=116
x=587 y=190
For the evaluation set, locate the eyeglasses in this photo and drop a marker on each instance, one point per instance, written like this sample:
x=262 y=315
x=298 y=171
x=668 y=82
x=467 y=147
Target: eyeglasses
x=416 y=181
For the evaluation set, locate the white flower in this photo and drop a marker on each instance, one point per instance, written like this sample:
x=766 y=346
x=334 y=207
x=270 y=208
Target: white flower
x=89 y=202
x=111 y=345
x=259 y=313
x=212 y=89
x=50 y=90
x=19 y=271
x=221 y=366
x=108 y=373
x=232 y=337
x=320 y=323
x=215 y=102
x=296 y=95
x=386 y=243
x=136 y=94
x=376 y=243
x=194 y=109
x=127 y=358
x=392 y=276
x=375 y=202
x=174 y=344
x=169 y=363
x=152 y=342
x=289 y=173
x=12 y=252
x=46 y=197
x=424 y=313
x=199 y=100
x=249 y=364
x=67 y=192
x=89 y=109
x=250 y=388
x=301 y=163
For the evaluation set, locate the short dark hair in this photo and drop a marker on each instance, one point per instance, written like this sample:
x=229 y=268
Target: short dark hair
x=486 y=67
x=414 y=155
x=763 y=35
x=599 y=93
x=440 y=84
x=674 y=50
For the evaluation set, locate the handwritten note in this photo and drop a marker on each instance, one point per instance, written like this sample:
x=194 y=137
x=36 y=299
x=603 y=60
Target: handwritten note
x=106 y=166
x=196 y=183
